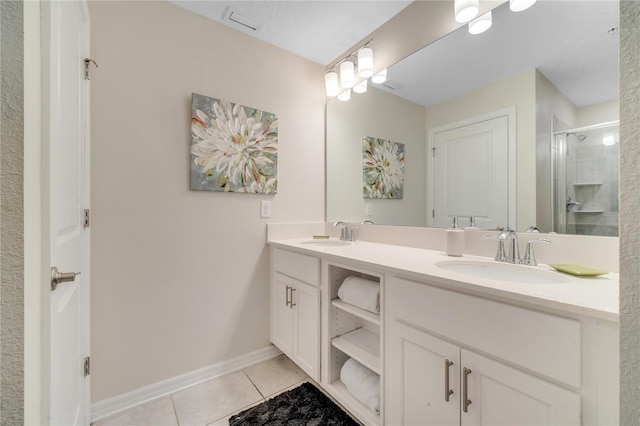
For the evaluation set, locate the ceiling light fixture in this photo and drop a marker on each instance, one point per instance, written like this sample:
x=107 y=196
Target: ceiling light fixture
x=481 y=24
x=360 y=87
x=466 y=10
x=365 y=62
x=520 y=5
x=331 y=84
x=380 y=78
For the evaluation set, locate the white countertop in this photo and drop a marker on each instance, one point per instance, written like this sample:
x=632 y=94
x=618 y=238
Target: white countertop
x=590 y=296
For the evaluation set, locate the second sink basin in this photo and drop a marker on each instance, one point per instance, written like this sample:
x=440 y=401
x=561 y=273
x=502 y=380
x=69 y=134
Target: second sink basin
x=502 y=272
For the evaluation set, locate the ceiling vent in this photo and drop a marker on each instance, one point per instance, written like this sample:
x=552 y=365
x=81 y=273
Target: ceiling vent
x=241 y=20
x=391 y=85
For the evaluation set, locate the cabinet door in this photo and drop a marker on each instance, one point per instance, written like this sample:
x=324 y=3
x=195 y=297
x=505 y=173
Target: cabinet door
x=501 y=395
x=417 y=370
x=282 y=315
x=306 y=328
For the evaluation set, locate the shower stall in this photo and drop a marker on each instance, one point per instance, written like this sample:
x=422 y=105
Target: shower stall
x=586 y=163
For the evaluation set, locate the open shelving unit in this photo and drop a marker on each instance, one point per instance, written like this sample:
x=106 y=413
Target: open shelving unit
x=352 y=333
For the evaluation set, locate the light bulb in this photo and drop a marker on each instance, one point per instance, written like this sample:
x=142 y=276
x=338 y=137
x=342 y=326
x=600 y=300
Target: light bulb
x=466 y=10
x=331 y=83
x=520 y=5
x=481 y=24
x=345 y=96
x=381 y=77
x=347 y=75
x=365 y=62
x=360 y=87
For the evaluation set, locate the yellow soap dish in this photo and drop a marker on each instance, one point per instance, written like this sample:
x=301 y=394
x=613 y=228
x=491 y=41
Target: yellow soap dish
x=581 y=271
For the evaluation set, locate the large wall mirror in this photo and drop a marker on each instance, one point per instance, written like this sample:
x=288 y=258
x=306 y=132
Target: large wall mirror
x=551 y=72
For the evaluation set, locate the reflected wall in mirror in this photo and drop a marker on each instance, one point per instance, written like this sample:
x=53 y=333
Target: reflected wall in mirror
x=556 y=63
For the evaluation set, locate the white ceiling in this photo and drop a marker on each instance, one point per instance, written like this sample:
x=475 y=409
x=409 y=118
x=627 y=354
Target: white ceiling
x=320 y=31
x=562 y=39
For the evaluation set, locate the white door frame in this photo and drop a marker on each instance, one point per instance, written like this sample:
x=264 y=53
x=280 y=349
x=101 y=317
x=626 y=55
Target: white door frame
x=510 y=113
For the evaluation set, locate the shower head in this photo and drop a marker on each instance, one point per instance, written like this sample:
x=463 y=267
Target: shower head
x=580 y=137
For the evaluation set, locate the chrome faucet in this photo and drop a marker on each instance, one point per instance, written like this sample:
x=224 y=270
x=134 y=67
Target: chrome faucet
x=571 y=203
x=513 y=253
x=529 y=258
x=346 y=232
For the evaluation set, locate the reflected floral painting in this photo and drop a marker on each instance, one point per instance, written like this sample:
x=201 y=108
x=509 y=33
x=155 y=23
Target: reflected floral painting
x=383 y=168
x=233 y=148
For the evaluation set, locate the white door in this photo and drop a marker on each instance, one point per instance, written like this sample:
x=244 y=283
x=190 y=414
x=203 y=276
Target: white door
x=306 y=328
x=470 y=173
x=422 y=379
x=501 y=395
x=65 y=109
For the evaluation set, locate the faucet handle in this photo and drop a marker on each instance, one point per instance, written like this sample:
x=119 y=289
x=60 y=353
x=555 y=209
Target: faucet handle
x=501 y=256
x=529 y=258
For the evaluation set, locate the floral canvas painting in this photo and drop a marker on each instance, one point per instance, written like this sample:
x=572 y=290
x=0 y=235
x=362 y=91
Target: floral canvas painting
x=383 y=168
x=234 y=148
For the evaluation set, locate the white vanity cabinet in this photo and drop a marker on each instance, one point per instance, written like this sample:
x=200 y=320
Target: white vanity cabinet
x=457 y=359
x=295 y=308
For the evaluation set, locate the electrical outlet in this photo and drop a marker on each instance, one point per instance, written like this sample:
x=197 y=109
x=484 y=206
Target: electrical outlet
x=265 y=208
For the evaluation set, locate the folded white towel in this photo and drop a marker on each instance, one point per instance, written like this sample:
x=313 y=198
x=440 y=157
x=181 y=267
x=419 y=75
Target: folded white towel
x=361 y=292
x=362 y=383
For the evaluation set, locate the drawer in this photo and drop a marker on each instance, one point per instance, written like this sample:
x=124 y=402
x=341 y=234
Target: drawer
x=544 y=343
x=295 y=265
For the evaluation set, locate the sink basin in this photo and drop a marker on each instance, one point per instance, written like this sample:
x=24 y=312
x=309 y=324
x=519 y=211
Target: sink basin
x=502 y=272
x=325 y=242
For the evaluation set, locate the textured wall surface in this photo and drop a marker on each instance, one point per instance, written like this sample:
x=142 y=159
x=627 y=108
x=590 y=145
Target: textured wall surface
x=630 y=212
x=11 y=214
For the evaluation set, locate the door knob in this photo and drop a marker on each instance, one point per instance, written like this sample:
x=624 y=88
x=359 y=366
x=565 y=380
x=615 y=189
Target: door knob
x=61 y=277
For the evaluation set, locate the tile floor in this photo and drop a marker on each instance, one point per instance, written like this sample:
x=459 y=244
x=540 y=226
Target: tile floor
x=215 y=401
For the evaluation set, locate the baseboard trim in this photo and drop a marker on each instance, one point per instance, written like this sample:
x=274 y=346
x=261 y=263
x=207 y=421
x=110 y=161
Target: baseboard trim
x=116 y=404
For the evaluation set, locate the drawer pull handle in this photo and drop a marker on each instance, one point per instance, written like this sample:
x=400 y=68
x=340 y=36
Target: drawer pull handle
x=287 y=300
x=465 y=385
x=447 y=391
x=291 y=304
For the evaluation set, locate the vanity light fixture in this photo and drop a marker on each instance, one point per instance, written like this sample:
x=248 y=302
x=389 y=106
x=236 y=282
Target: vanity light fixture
x=520 y=5
x=380 y=78
x=360 y=87
x=466 y=10
x=347 y=74
x=481 y=24
x=365 y=62
x=331 y=84
x=345 y=95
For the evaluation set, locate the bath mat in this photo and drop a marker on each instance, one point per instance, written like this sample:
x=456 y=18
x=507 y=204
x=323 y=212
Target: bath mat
x=303 y=406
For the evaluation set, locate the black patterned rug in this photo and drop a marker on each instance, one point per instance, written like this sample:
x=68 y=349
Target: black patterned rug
x=304 y=405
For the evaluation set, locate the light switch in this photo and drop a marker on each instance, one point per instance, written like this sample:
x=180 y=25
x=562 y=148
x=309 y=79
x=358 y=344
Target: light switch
x=368 y=207
x=265 y=208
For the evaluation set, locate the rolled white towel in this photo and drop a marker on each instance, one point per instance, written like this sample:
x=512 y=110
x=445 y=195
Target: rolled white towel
x=361 y=292
x=362 y=383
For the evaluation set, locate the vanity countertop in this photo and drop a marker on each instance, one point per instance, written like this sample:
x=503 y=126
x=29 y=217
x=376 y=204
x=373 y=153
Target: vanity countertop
x=590 y=296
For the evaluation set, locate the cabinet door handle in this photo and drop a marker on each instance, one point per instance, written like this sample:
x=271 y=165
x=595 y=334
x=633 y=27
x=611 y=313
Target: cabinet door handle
x=287 y=300
x=291 y=304
x=465 y=385
x=447 y=391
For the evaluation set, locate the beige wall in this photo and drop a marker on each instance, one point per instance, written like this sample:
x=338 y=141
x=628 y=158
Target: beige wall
x=379 y=114
x=598 y=113
x=180 y=278
x=518 y=91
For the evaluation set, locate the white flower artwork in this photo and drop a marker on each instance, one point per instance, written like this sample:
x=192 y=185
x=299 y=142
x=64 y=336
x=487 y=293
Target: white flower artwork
x=233 y=148
x=383 y=168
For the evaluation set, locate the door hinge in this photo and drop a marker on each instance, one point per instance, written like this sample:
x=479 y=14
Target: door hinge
x=87 y=218
x=87 y=63
x=87 y=366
